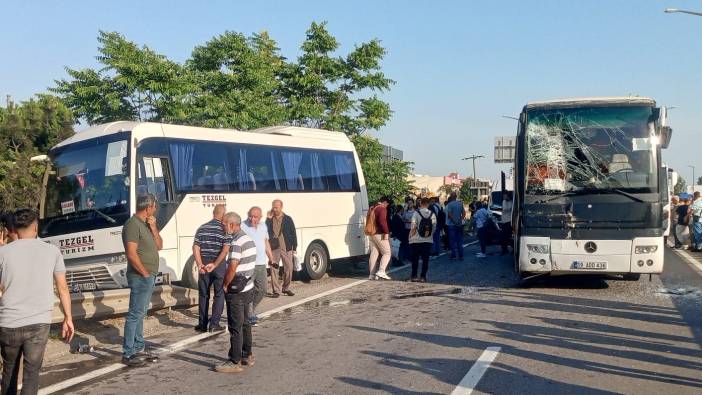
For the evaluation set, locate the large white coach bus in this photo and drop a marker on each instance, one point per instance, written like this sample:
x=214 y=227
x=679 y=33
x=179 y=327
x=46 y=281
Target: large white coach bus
x=93 y=177
x=590 y=188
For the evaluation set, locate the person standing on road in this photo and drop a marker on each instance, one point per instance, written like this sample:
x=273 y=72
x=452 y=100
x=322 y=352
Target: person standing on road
x=397 y=230
x=506 y=222
x=682 y=227
x=258 y=232
x=379 y=240
x=696 y=223
x=455 y=215
x=421 y=238
x=674 y=203
x=407 y=215
x=435 y=208
x=472 y=208
x=239 y=286
x=210 y=250
x=283 y=241
x=29 y=269
x=483 y=219
x=142 y=242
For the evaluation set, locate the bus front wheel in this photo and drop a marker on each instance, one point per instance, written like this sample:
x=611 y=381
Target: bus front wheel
x=190 y=274
x=316 y=261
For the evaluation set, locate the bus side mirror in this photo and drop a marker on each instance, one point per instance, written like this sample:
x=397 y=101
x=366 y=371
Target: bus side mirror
x=664 y=135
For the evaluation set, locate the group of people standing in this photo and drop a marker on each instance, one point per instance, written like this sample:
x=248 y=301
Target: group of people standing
x=687 y=217
x=233 y=257
x=418 y=226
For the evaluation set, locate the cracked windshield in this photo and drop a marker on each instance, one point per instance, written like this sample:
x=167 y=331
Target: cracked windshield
x=591 y=148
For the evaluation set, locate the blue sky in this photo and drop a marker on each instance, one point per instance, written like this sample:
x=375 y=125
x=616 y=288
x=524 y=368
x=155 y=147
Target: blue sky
x=459 y=65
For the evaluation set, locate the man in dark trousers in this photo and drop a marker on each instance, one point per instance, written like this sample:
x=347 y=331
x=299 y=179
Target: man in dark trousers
x=283 y=241
x=29 y=270
x=210 y=249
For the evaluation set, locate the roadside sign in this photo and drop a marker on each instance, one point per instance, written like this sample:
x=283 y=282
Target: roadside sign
x=504 y=149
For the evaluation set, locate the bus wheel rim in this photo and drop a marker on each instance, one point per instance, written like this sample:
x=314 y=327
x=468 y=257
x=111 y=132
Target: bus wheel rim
x=315 y=260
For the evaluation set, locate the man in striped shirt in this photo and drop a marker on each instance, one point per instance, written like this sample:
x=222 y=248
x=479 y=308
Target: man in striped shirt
x=239 y=285
x=210 y=249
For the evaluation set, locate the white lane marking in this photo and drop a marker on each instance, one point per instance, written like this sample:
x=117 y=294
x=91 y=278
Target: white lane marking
x=177 y=346
x=476 y=372
x=82 y=378
x=696 y=265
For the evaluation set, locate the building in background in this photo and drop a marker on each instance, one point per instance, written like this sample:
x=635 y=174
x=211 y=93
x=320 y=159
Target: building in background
x=390 y=153
x=426 y=185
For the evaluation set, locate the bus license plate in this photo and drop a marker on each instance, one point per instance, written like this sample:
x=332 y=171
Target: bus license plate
x=84 y=287
x=589 y=265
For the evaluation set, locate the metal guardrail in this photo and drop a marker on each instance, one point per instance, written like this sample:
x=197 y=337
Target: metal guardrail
x=100 y=304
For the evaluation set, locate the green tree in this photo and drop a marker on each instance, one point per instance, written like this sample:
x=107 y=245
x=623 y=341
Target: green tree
x=699 y=180
x=465 y=193
x=28 y=130
x=382 y=178
x=326 y=91
x=680 y=186
x=243 y=82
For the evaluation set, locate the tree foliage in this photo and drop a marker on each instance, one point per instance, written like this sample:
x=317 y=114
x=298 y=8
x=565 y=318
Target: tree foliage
x=382 y=178
x=234 y=81
x=243 y=82
x=27 y=130
x=680 y=186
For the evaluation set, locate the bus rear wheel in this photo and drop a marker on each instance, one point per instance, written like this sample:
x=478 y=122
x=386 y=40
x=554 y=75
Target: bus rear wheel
x=316 y=262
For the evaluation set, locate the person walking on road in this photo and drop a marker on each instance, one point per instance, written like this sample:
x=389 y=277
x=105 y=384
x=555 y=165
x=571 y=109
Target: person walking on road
x=29 y=270
x=258 y=232
x=483 y=219
x=283 y=241
x=421 y=238
x=210 y=249
x=239 y=286
x=379 y=235
x=142 y=242
x=455 y=216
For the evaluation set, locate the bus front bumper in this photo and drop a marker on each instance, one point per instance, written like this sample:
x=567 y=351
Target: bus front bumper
x=542 y=254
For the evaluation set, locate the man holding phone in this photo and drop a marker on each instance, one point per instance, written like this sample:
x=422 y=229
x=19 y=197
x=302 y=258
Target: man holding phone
x=29 y=269
x=142 y=242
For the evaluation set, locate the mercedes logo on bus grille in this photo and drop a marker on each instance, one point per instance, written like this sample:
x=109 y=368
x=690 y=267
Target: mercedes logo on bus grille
x=590 y=247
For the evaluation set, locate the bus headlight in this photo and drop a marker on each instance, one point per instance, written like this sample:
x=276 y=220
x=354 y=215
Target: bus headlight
x=645 y=249
x=119 y=258
x=538 y=248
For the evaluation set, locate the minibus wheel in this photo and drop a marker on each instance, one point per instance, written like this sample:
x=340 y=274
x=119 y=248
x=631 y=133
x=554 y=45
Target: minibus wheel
x=316 y=261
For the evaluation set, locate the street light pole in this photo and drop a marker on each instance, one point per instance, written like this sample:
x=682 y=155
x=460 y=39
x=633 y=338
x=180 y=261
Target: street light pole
x=473 y=158
x=694 y=182
x=675 y=10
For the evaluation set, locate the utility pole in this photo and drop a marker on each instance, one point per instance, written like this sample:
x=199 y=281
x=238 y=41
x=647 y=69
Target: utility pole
x=473 y=158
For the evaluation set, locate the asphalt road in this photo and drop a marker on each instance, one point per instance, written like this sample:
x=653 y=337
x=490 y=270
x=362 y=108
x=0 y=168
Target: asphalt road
x=559 y=335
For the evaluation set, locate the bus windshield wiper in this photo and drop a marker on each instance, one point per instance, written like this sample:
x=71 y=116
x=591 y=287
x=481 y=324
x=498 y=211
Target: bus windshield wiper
x=627 y=194
x=103 y=215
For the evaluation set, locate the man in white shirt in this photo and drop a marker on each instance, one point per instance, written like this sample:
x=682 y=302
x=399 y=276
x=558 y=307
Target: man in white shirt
x=258 y=231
